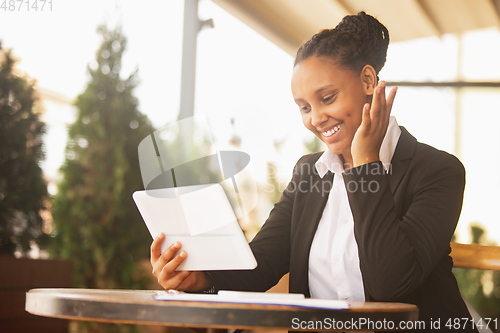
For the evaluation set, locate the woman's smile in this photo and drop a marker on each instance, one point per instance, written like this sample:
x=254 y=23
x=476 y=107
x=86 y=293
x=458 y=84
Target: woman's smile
x=331 y=134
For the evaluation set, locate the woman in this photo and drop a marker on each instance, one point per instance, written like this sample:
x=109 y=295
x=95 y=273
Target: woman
x=372 y=217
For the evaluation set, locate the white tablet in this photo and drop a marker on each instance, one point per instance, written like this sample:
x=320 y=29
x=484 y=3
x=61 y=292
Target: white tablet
x=201 y=218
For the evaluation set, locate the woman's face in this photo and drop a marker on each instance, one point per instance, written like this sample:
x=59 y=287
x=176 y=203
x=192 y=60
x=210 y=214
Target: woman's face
x=331 y=101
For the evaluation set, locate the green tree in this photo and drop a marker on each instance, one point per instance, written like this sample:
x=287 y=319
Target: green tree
x=23 y=191
x=96 y=222
x=480 y=287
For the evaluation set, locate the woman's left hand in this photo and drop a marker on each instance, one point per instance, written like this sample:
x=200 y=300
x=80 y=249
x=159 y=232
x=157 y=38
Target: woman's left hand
x=368 y=138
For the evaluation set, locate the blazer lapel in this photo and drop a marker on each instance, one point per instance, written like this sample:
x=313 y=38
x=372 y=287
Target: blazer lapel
x=405 y=150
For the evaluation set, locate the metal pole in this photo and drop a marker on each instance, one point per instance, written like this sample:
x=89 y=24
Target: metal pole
x=192 y=25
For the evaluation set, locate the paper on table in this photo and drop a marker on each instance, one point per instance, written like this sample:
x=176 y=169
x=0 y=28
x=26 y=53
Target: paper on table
x=297 y=300
x=255 y=295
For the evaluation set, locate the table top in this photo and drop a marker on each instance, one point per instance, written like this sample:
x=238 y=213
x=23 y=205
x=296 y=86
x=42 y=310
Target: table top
x=138 y=307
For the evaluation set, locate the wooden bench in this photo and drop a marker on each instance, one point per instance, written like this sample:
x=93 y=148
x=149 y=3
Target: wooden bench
x=475 y=256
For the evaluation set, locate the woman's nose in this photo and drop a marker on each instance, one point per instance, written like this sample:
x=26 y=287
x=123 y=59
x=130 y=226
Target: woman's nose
x=318 y=117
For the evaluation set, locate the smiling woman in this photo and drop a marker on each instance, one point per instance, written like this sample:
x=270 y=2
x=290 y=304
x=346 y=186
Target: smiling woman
x=371 y=218
x=336 y=73
x=330 y=99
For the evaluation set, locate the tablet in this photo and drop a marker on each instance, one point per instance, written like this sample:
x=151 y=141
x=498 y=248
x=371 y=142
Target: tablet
x=202 y=219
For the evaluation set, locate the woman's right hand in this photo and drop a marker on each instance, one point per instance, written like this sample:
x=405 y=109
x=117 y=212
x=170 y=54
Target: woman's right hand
x=164 y=266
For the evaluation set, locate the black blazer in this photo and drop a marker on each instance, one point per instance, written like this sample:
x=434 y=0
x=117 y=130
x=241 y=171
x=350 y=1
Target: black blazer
x=403 y=224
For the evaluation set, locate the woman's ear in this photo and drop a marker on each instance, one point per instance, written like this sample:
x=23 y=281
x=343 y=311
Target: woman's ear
x=368 y=78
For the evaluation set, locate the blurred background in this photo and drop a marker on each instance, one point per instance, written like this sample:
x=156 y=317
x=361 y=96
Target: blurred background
x=82 y=83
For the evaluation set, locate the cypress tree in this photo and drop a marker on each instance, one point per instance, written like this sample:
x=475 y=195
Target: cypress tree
x=96 y=222
x=23 y=190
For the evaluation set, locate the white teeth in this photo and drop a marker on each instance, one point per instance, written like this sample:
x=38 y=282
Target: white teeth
x=333 y=130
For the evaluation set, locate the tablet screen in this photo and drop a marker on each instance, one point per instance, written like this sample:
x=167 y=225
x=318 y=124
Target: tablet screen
x=202 y=219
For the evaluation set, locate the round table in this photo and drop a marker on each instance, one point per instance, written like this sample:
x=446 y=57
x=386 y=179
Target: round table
x=138 y=307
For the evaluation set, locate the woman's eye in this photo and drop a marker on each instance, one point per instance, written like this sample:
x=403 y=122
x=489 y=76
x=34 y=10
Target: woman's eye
x=304 y=109
x=328 y=98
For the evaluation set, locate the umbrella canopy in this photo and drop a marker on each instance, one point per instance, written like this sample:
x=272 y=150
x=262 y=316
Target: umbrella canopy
x=288 y=23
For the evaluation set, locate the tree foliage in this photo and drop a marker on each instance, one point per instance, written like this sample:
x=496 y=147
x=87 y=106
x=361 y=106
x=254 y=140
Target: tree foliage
x=23 y=191
x=96 y=222
x=480 y=287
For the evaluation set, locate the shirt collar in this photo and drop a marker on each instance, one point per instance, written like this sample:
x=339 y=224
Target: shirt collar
x=332 y=162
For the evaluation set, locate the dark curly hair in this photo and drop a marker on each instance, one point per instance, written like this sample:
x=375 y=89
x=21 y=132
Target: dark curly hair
x=358 y=40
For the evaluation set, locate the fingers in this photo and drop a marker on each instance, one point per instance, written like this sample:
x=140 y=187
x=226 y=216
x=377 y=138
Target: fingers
x=376 y=102
x=390 y=98
x=166 y=257
x=165 y=265
x=365 y=117
x=168 y=278
x=368 y=138
x=381 y=107
x=386 y=104
x=382 y=98
x=384 y=111
x=156 y=247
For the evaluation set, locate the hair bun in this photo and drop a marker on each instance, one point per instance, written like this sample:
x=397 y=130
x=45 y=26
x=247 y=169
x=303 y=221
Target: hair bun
x=357 y=41
x=372 y=32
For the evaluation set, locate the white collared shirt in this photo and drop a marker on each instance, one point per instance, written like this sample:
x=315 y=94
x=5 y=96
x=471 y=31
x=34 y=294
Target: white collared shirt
x=333 y=259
